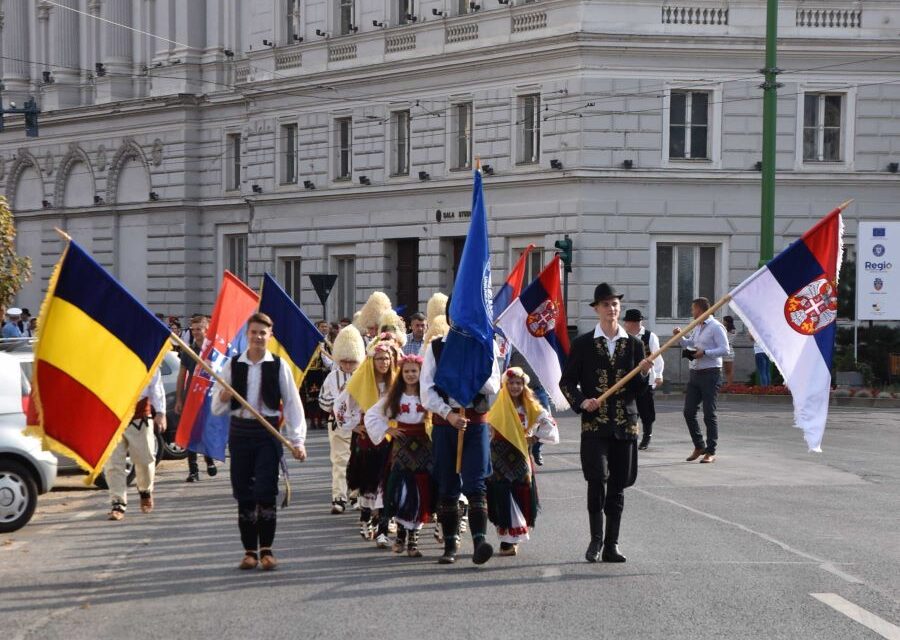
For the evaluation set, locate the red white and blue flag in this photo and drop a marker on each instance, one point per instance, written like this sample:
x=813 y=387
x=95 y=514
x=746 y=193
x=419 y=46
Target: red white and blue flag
x=790 y=306
x=535 y=324
x=507 y=293
x=198 y=429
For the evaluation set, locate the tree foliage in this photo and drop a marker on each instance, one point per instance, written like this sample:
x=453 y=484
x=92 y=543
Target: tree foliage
x=15 y=270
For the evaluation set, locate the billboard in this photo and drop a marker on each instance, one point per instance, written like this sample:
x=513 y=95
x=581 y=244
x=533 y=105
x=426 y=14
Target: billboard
x=878 y=270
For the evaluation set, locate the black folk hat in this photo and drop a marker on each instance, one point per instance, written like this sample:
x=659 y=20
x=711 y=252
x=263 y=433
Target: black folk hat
x=605 y=292
x=633 y=315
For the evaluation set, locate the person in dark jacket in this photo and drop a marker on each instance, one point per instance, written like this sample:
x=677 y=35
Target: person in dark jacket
x=609 y=431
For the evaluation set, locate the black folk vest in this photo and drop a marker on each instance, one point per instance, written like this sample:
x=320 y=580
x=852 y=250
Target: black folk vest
x=270 y=387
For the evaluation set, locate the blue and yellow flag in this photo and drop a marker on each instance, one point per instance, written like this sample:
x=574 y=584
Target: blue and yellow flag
x=97 y=350
x=295 y=338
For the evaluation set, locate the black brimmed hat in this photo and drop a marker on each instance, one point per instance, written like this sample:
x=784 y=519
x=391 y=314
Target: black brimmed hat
x=605 y=292
x=633 y=315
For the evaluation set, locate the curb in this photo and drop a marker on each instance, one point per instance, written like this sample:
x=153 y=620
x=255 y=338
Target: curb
x=835 y=401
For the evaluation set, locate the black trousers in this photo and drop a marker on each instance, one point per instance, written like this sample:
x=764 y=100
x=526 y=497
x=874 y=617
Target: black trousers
x=255 y=459
x=703 y=388
x=646 y=410
x=192 y=462
x=609 y=466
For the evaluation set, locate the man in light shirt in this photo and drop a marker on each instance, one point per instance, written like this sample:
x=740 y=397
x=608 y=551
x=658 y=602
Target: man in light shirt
x=708 y=343
x=265 y=381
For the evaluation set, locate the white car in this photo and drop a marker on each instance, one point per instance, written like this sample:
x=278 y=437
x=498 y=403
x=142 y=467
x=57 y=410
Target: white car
x=26 y=471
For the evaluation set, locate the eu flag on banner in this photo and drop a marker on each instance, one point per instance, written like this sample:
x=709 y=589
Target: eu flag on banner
x=468 y=357
x=295 y=338
x=198 y=429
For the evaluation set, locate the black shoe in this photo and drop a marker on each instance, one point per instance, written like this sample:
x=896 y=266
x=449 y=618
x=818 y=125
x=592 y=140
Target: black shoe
x=645 y=442
x=593 y=551
x=539 y=459
x=211 y=470
x=611 y=553
x=483 y=552
x=451 y=548
x=193 y=476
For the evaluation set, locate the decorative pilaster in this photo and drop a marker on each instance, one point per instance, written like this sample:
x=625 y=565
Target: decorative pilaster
x=16 y=49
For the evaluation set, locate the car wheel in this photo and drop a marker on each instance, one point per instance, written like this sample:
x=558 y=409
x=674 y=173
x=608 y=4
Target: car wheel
x=101 y=483
x=169 y=450
x=18 y=495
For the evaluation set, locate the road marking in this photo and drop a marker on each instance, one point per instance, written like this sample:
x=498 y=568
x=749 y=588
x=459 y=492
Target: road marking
x=824 y=564
x=856 y=613
x=551 y=573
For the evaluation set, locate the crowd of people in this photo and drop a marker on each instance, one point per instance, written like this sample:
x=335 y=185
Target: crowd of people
x=394 y=435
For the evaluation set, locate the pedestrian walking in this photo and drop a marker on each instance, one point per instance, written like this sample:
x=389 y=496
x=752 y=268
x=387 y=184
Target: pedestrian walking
x=199 y=325
x=728 y=358
x=704 y=347
x=597 y=361
x=265 y=381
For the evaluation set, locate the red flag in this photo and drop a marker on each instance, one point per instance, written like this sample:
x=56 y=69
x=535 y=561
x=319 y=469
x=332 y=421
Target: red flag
x=198 y=429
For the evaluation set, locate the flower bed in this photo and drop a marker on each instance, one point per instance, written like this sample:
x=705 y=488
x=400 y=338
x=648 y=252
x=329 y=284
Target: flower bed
x=740 y=388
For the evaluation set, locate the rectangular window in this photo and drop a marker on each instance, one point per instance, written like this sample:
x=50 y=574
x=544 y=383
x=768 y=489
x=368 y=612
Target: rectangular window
x=236 y=254
x=684 y=272
x=462 y=7
x=233 y=162
x=529 y=126
x=346 y=10
x=533 y=264
x=290 y=268
x=344 y=146
x=406 y=11
x=689 y=125
x=292 y=20
x=822 y=119
x=461 y=128
x=288 y=154
x=346 y=287
x=400 y=143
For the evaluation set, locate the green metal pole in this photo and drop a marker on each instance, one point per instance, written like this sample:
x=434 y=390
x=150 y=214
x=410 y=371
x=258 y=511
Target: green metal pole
x=770 y=113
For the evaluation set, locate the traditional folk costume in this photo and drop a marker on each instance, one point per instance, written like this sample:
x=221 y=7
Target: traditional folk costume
x=609 y=435
x=476 y=458
x=512 y=488
x=409 y=494
x=367 y=468
x=347 y=346
x=138 y=441
x=255 y=453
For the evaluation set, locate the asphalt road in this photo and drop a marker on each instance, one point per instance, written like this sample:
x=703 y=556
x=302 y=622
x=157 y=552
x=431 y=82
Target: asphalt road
x=730 y=550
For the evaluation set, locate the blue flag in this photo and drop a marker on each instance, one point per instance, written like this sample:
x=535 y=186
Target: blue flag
x=468 y=356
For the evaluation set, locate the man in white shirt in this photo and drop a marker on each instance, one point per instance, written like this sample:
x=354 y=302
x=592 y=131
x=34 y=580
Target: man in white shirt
x=138 y=441
x=265 y=381
x=707 y=344
x=633 y=323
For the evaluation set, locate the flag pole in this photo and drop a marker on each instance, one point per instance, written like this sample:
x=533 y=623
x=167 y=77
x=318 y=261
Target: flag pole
x=674 y=339
x=460 y=438
x=256 y=414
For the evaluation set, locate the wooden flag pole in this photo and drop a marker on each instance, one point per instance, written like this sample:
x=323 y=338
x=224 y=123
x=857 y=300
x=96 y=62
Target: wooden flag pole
x=674 y=339
x=256 y=414
x=460 y=436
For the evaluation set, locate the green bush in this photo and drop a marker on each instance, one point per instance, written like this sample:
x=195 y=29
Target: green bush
x=876 y=343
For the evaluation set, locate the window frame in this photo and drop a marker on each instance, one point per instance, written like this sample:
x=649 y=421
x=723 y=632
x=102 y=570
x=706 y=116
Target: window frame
x=339 y=17
x=339 y=149
x=721 y=281
x=336 y=257
x=232 y=171
x=398 y=151
x=290 y=21
x=223 y=233
x=713 y=126
x=519 y=123
x=453 y=134
x=848 y=122
x=290 y=268
x=283 y=179
x=411 y=10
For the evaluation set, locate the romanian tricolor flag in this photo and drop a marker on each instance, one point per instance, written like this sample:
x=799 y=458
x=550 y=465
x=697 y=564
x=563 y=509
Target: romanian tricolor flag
x=198 y=429
x=97 y=350
x=295 y=338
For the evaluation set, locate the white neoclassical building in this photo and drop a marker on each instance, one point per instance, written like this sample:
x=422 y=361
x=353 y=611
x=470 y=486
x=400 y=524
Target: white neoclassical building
x=179 y=138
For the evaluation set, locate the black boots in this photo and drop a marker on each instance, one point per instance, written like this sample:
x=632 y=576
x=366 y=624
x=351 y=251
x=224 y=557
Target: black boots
x=478 y=518
x=595 y=519
x=611 y=539
x=645 y=442
x=412 y=544
x=448 y=516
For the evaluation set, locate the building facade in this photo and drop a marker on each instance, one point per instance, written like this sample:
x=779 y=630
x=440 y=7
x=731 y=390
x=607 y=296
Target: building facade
x=178 y=139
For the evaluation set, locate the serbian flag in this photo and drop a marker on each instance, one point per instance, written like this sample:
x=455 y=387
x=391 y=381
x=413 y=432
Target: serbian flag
x=507 y=293
x=97 y=350
x=535 y=324
x=295 y=338
x=198 y=429
x=468 y=357
x=790 y=305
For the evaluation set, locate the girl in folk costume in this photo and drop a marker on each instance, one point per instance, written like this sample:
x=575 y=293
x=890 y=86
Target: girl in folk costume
x=368 y=461
x=409 y=495
x=518 y=421
x=348 y=352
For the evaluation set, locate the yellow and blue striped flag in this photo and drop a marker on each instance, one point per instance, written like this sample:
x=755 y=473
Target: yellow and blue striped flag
x=295 y=338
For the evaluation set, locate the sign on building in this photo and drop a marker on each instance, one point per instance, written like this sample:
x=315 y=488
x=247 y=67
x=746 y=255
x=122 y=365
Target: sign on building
x=878 y=270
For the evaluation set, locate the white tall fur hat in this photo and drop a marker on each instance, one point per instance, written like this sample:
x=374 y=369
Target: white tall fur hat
x=437 y=306
x=437 y=328
x=349 y=345
x=371 y=312
x=393 y=324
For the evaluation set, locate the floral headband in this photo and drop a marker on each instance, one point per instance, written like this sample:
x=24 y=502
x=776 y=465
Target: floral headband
x=517 y=372
x=412 y=357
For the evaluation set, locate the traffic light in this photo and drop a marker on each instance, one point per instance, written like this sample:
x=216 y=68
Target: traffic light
x=564 y=249
x=31 y=112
